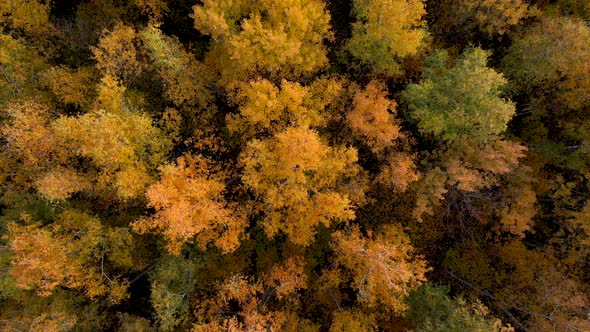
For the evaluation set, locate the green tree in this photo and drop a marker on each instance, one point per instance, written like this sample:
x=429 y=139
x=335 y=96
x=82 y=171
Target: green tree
x=460 y=99
x=432 y=309
x=171 y=283
x=21 y=66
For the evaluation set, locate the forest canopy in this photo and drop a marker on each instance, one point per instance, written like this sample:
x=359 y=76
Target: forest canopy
x=295 y=165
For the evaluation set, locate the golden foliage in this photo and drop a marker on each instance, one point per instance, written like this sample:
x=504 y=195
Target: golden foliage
x=131 y=323
x=517 y=218
x=300 y=181
x=383 y=265
x=118 y=54
x=279 y=38
x=582 y=218
x=430 y=192
x=372 y=117
x=231 y=152
x=288 y=277
x=252 y=314
x=189 y=204
x=494 y=16
x=29 y=135
x=20 y=65
x=112 y=127
x=474 y=166
x=71 y=253
x=32 y=16
x=71 y=86
x=155 y=9
x=60 y=183
x=398 y=172
x=266 y=109
x=52 y=322
x=386 y=31
x=352 y=321
x=518 y=202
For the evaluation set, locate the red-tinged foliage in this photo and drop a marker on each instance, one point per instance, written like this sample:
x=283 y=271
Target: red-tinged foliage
x=189 y=205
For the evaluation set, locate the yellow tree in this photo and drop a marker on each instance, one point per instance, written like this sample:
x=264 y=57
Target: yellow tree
x=383 y=266
x=122 y=142
x=276 y=38
x=29 y=135
x=288 y=277
x=398 y=171
x=36 y=155
x=189 y=205
x=18 y=14
x=265 y=108
x=352 y=321
x=491 y=16
x=71 y=86
x=155 y=9
x=75 y=252
x=385 y=32
x=372 y=117
x=124 y=147
x=30 y=16
x=301 y=182
x=517 y=203
x=118 y=54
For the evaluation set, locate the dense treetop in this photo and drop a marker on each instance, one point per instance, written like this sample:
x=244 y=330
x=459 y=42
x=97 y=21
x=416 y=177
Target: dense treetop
x=297 y=165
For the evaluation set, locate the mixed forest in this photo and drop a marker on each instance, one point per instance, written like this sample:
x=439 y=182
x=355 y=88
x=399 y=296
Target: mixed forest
x=295 y=165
